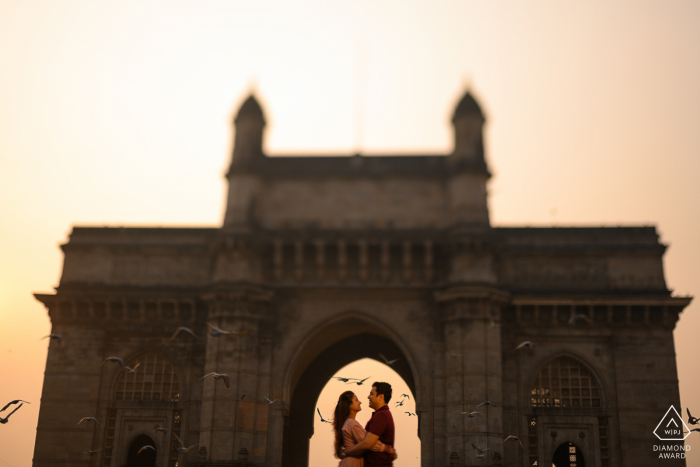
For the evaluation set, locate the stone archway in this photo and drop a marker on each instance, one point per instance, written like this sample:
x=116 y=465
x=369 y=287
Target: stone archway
x=568 y=455
x=146 y=458
x=299 y=424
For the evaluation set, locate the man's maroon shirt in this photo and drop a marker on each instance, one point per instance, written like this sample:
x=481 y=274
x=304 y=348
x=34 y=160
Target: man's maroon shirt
x=382 y=425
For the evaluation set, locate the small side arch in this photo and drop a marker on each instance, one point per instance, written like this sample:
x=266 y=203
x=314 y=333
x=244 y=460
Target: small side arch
x=144 y=458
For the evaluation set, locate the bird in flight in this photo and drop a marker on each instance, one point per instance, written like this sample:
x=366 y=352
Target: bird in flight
x=181 y=449
x=527 y=344
x=344 y=380
x=89 y=419
x=56 y=337
x=487 y=403
x=319 y=414
x=471 y=414
x=244 y=395
x=479 y=452
x=270 y=402
x=692 y=420
x=121 y=364
x=405 y=395
x=218 y=376
x=145 y=448
x=16 y=401
x=359 y=383
x=184 y=329
x=411 y=414
x=218 y=332
x=399 y=403
x=514 y=438
x=7 y=419
x=92 y=452
x=159 y=428
x=575 y=318
x=387 y=361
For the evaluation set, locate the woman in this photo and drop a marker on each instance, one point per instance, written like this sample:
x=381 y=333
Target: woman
x=349 y=432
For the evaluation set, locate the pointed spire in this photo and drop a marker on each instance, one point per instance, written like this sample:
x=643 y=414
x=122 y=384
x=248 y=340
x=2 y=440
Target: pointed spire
x=250 y=109
x=467 y=106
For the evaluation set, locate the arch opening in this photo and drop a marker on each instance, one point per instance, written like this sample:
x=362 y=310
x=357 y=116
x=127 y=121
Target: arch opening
x=147 y=457
x=568 y=455
x=299 y=425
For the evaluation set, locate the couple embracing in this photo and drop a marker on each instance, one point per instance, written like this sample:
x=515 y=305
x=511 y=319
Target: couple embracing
x=373 y=445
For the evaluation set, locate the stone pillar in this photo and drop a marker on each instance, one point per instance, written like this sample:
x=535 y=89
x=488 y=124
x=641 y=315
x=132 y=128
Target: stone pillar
x=472 y=337
x=234 y=421
x=71 y=386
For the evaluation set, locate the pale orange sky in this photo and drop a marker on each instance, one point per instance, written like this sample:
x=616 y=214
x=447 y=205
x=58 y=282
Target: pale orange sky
x=119 y=113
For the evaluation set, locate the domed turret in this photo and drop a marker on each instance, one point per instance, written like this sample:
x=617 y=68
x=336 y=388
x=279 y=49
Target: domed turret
x=249 y=123
x=468 y=121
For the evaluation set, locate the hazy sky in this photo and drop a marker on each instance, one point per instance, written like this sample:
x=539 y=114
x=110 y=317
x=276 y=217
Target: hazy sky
x=119 y=113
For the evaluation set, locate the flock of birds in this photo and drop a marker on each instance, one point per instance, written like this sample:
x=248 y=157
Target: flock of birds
x=218 y=332
x=180 y=448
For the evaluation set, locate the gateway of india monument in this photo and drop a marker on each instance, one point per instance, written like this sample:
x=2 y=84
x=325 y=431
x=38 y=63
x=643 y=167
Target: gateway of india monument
x=321 y=261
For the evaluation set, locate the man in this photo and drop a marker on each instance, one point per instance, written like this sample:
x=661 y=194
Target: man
x=379 y=427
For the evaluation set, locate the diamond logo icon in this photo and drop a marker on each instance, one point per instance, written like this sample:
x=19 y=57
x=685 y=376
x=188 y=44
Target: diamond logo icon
x=672 y=427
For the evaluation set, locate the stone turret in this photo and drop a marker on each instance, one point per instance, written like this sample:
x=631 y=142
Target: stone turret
x=468 y=171
x=247 y=151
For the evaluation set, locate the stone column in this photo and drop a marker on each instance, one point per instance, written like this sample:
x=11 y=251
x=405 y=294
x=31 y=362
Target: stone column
x=234 y=421
x=472 y=336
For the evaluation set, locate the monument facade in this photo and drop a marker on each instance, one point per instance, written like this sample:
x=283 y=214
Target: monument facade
x=321 y=261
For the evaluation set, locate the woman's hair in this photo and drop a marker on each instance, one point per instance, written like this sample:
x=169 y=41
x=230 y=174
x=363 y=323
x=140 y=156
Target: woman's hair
x=342 y=411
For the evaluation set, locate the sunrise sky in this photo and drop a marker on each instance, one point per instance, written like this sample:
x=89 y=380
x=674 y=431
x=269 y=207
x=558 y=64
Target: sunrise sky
x=119 y=113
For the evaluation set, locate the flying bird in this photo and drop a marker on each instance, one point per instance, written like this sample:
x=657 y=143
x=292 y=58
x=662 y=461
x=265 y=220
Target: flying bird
x=145 y=448
x=218 y=332
x=7 y=419
x=181 y=449
x=92 y=452
x=692 y=420
x=527 y=344
x=387 y=361
x=694 y=429
x=218 y=376
x=159 y=428
x=121 y=364
x=56 y=337
x=319 y=414
x=89 y=419
x=244 y=395
x=399 y=403
x=514 y=438
x=479 y=452
x=578 y=316
x=16 y=401
x=271 y=402
x=359 y=383
x=184 y=329
x=344 y=380
x=471 y=414
x=487 y=403
x=411 y=414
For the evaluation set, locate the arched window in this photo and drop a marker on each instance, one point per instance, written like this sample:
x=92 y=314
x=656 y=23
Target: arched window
x=568 y=455
x=564 y=382
x=154 y=379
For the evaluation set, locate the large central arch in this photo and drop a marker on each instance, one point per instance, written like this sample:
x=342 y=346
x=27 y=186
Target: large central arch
x=330 y=348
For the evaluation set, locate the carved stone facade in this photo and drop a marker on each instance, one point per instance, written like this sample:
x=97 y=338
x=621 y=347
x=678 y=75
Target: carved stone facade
x=392 y=255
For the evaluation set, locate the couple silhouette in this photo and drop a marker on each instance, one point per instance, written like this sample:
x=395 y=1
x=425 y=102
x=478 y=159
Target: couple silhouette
x=373 y=445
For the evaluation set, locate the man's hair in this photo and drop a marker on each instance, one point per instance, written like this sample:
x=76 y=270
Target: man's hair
x=383 y=388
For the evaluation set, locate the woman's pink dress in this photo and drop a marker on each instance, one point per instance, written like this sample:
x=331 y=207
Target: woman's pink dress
x=353 y=433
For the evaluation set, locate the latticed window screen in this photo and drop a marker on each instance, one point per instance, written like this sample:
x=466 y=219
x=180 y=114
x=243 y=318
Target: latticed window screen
x=564 y=382
x=154 y=379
